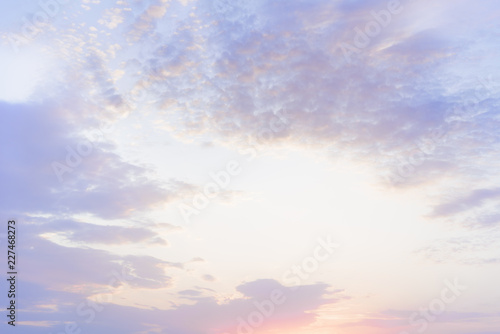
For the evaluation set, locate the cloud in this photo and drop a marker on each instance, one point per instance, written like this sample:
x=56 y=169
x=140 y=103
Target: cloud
x=213 y=317
x=465 y=202
x=208 y=278
x=227 y=68
x=401 y=319
x=190 y=293
x=406 y=104
x=86 y=233
x=96 y=181
x=55 y=308
x=99 y=184
x=225 y=71
x=145 y=22
x=112 y=18
x=57 y=267
x=477 y=248
x=250 y=62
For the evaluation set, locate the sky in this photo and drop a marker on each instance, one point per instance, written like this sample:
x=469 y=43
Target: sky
x=251 y=167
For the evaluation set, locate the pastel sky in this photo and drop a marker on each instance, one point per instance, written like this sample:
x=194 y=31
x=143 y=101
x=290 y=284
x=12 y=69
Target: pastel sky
x=240 y=167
